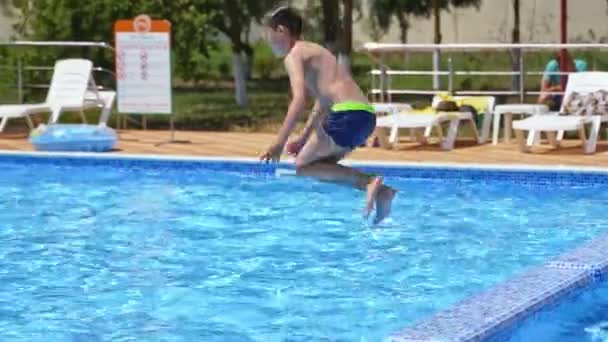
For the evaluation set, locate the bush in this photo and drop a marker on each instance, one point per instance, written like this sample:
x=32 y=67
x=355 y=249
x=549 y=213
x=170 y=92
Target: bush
x=265 y=64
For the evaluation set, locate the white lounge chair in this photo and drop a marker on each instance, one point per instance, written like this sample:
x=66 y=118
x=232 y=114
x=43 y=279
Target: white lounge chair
x=417 y=121
x=389 y=108
x=103 y=99
x=582 y=83
x=72 y=88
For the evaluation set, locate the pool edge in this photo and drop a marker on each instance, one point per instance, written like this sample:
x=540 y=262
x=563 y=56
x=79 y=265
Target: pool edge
x=289 y=161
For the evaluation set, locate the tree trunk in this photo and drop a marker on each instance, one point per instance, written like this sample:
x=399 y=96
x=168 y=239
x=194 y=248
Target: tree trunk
x=437 y=17
x=240 y=83
x=563 y=53
x=516 y=52
x=404 y=25
x=248 y=60
x=248 y=50
x=331 y=24
x=344 y=58
x=437 y=40
x=233 y=29
x=347 y=29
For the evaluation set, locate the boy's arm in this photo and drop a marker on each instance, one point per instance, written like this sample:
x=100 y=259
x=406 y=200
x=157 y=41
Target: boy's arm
x=315 y=116
x=295 y=69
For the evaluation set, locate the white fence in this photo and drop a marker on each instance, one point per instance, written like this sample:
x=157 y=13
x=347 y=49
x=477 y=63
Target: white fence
x=382 y=76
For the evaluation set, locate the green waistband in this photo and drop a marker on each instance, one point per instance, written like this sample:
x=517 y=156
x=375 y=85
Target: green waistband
x=352 y=105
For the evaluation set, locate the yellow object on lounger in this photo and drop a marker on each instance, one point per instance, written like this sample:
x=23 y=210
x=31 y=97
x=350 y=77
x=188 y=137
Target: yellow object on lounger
x=418 y=119
x=480 y=103
x=425 y=110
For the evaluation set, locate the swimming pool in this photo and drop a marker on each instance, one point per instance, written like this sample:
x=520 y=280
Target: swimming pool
x=110 y=249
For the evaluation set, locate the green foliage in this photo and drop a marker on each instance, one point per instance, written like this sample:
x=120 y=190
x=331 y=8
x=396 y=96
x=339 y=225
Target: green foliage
x=383 y=11
x=193 y=37
x=215 y=110
x=237 y=17
x=265 y=64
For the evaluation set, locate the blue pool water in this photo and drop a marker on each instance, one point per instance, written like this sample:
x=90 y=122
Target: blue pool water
x=581 y=316
x=113 y=253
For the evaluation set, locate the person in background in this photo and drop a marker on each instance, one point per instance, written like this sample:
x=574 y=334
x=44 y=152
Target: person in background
x=552 y=82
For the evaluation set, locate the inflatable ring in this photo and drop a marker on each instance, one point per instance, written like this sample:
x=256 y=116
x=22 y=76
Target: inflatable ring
x=73 y=137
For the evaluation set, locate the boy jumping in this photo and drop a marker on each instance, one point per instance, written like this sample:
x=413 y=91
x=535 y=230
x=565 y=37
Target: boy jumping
x=341 y=119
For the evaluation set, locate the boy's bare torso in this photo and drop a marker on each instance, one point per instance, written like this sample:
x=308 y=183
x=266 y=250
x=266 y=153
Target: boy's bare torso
x=326 y=80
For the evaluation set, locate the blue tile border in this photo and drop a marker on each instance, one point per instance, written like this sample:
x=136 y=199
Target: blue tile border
x=590 y=256
x=555 y=175
x=591 y=253
x=242 y=166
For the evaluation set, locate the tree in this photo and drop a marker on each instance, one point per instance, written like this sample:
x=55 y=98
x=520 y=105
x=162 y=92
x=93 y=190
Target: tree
x=437 y=21
x=71 y=20
x=438 y=5
x=5 y=7
x=373 y=28
x=238 y=15
x=346 y=41
x=338 y=27
x=384 y=10
x=331 y=24
x=515 y=40
x=197 y=24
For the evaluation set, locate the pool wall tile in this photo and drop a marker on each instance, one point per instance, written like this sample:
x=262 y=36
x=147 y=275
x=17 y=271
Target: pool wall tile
x=591 y=255
x=554 y=176
x=483 y=315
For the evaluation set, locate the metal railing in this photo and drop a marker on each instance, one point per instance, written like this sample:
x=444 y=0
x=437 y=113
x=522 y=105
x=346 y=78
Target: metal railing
x=21 y=70
x=382 y=75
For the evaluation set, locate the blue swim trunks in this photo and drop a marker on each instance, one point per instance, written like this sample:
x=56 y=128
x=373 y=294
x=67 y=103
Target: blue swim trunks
x=350 y=123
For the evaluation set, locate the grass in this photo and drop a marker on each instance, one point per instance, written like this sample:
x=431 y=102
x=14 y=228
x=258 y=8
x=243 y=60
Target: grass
x=215 y=109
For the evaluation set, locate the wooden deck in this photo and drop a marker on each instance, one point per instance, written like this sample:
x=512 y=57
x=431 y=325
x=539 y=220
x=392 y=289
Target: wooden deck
x=232 y=144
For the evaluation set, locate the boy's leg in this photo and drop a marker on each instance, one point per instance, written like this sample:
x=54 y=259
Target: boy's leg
x=318 y=158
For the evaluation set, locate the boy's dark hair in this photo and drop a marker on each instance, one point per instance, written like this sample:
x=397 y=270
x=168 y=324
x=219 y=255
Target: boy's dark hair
x=288 y=17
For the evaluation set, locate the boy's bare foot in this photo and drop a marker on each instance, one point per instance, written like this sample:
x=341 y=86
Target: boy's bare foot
x=372 y=192
x=384 y=202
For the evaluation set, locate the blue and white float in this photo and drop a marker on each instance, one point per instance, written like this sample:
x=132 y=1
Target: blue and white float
x=73 y=138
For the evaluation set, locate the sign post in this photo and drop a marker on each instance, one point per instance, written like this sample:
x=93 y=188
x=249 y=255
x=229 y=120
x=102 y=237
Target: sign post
x=143 y=67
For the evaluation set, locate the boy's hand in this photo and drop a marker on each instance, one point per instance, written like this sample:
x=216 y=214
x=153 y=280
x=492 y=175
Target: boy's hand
x=272 y=154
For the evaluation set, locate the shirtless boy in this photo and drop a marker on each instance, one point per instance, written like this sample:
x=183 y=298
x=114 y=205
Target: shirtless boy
x=341 y=119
